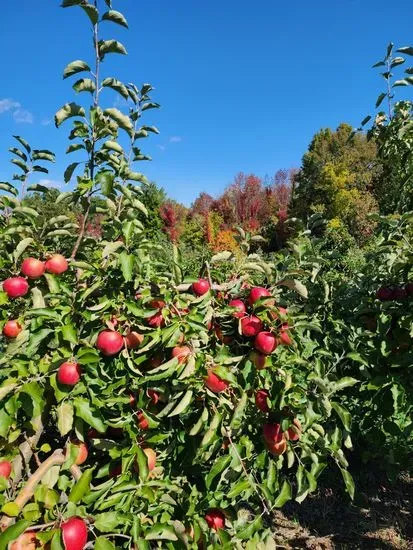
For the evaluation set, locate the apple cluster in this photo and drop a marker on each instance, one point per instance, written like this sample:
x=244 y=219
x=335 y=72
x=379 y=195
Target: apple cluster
x=394 y=293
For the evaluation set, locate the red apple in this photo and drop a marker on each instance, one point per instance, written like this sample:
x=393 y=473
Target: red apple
x=182 y=353
x=157 y=304
x=151 y=456
x=240 y=308
x=215 y=519
x=156 y=320
x=5 y=468
x=224 y=338
x=69 y=373
x=200 y=287
x=15 y=287
x=142 y=422
x=261 y=397
x=399 y=293
x=153 y=396
x=74 y=533
x=294 y=432
x=57 y=264
x=133 y=340
x=26 y=541
x=32 y=268
x=384 y=294
x=265 y=342
x=284 y=338
x=251 y=326
x=277 y=448
x=214 y=383
x=11 y=329
x=257 y=293
x=82 y=453
x=109 y=342
x=258 y=359
x=274 y=439
x=409 y=289
x=156 y=360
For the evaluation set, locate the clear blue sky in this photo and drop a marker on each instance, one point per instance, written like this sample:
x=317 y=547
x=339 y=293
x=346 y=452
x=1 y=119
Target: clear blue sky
x=243 y=85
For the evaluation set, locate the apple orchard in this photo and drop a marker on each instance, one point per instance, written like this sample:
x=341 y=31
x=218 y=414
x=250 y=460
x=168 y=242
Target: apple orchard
x=145 y=406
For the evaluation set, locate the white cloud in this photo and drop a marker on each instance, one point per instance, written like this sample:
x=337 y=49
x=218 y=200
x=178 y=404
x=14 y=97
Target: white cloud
x=175 y=139
x=51 y=183
x=8 y=105
x=23 y=116
x=20 y=115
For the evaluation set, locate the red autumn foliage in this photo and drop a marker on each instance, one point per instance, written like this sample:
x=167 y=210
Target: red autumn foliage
x=173 y=215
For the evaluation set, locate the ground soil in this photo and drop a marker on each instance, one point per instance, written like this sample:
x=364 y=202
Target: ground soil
x=381 y=517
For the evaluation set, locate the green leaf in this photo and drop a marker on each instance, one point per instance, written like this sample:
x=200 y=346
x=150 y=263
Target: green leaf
x=12 y=533
x=75 y=67
x=69 y=333
x=123 y=121
x=111 y=46
x=345 y=382
x=5 y=186
x=84 y=85
x=43 y=154
x=348 y=481
x=218 y=467
x=11 y=509
x=239 y=488
x=106 y=522
x=380 y=99
x=408 y=50
x=67 y=176
x=250 y=529
x=295 y=285
x=81 y=487
x=21 y=247
x=161 y=532
x=104 y=544
x=142 y=460
x=183 y=404
x=344 y=415
x=18 y=152
x=115 y=17
x=57 y=541
x=127 y=263
x=26 y=211
x=113 y=146
x=64 y=418
x=24 y=143
x=116 y=85
x=105 y=179
x=36 y=338
x=89 y=415
x=284 y=496
x=20 y=164
x=91 y=12
x=67 y=111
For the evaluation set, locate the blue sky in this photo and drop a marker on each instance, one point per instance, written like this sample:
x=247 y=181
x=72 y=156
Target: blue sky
x=243 y=86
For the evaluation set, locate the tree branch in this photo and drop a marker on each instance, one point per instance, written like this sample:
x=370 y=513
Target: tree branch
x=26 y=450
x=56 y=459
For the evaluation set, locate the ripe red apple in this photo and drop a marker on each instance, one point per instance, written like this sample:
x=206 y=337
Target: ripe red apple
x=57 y=264
x=11 y=329
x=32 y=268
x=274 y=438
x=240 y=308
x=384 y=294
x=258 y=359
x=399 y=293
x=82 y=453
x=409 y=289
x=157 y=304
x=251 y=326
x=69 y=373
x=214 y=383
x=156 y=360
x=74 y=533
x=294 y=432
x=156 y=320
x=265 y=342
x=109 y=342
x=215 y=519
x=133 y=340
x=201 y=287
x=15 y=287
x=182 y=353
x=259 y=292
x=26 y=541
x=284 y=338
x=261 y=397
x=5 y=468
x=153 y=396
x=142 y=422
x=151 y=456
